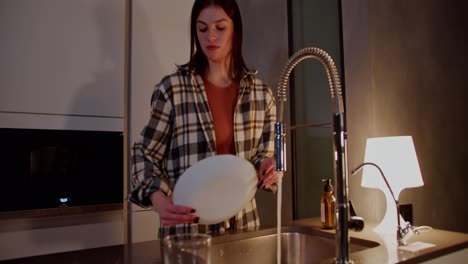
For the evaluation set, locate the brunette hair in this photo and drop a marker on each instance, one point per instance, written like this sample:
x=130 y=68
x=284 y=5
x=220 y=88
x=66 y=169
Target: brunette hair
x=198 y=61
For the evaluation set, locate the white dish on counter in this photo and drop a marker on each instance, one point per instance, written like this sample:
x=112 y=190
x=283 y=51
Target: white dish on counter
x=218 y=187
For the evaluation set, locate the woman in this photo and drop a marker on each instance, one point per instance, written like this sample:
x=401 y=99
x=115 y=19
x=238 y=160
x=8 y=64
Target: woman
x=211 y=105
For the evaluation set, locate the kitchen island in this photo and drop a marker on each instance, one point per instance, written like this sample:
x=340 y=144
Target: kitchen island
x=302 y=242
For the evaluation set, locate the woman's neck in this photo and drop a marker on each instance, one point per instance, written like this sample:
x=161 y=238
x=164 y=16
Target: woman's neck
x=218 y=74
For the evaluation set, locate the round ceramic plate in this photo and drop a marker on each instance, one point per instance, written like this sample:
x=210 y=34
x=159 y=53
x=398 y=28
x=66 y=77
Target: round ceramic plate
x=218 y=187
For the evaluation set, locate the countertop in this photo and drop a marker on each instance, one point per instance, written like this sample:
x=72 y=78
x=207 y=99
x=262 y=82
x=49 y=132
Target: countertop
x=446 y=242
x=378 y=249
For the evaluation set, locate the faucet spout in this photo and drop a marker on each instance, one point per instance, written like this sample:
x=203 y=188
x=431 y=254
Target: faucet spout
x=339 y=140
x=330 y=68
x=402 y=232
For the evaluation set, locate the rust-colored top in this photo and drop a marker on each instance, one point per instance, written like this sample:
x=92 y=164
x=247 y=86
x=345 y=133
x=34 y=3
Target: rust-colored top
x=222 y=102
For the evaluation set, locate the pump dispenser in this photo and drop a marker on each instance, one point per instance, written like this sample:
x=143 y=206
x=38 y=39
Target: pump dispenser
x=327 y=206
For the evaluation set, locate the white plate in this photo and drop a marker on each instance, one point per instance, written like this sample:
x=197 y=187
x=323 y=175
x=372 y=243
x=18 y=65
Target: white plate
x=218 y=187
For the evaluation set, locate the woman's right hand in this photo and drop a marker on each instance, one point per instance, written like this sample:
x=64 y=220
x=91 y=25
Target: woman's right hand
x=169 y=213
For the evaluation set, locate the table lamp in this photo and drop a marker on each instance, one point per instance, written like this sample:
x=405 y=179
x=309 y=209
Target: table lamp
x=396 y=159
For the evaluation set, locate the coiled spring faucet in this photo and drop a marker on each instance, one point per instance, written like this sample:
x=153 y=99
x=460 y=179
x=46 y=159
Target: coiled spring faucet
x=340 y=165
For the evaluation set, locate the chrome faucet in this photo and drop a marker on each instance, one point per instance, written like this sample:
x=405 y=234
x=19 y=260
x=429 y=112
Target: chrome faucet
x=340 y=165
x=403 y=233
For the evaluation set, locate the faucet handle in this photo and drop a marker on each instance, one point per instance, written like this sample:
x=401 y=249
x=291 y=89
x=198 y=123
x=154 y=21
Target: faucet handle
x=356 y=223
x=405 y=233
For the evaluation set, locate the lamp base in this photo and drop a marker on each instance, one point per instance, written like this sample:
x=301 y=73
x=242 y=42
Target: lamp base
x=389 y=223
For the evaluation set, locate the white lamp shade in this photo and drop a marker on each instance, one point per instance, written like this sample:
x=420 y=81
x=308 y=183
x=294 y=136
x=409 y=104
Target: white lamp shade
x=396 y=156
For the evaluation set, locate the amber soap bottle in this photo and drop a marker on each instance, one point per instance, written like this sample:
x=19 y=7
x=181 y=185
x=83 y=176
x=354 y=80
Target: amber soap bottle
x=327 y=206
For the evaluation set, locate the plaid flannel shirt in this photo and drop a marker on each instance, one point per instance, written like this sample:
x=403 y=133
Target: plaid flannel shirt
x=180 y=133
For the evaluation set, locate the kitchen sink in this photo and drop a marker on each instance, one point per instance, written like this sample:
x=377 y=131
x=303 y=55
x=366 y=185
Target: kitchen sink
x=298 y=245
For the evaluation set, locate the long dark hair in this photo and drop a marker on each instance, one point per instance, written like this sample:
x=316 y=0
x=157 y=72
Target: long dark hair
x=198 y=61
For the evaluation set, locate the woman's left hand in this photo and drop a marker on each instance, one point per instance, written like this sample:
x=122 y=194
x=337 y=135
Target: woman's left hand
x=267 y=175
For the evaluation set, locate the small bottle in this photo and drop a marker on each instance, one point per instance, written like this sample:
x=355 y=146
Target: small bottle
x=327 y=206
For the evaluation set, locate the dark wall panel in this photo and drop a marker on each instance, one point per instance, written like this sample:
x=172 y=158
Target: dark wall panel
x=411 y=79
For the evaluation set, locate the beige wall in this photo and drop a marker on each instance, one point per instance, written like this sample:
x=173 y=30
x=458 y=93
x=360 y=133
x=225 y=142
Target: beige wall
x=406 y=68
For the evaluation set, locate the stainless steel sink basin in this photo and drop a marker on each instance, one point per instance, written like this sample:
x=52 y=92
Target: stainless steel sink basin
x=298 y=245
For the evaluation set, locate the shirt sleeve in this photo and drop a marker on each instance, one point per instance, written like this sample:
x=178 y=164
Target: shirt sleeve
x=266 y=147
x=150 y=151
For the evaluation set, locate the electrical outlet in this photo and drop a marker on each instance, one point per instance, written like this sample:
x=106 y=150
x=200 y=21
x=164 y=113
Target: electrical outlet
x=406 y=211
